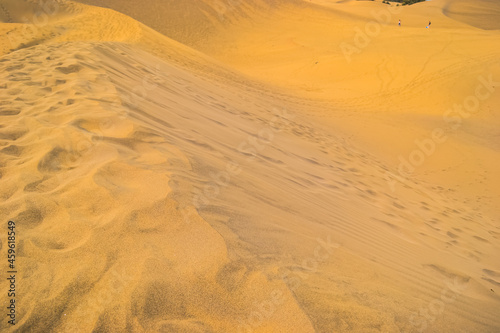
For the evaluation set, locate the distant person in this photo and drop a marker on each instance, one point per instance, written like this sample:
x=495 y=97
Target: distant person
x=429 y=25
x=399 y=23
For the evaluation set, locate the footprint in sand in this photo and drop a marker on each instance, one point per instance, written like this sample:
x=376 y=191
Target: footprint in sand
x=30 y=218
x=12 y=135
x=493 y=277
x=9 y=112
x=70 y=69
x=12 y=150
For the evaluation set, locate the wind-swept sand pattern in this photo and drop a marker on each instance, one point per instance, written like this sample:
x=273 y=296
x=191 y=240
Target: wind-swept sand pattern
x=237 y=174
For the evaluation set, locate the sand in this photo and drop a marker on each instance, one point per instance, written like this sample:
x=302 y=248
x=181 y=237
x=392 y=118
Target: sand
x=250 y=166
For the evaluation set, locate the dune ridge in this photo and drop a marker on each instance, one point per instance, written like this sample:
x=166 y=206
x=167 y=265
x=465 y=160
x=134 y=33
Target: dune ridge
x=90 y=162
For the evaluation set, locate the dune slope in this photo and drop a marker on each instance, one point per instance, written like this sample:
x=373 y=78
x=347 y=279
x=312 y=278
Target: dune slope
x=87 y=178
x=482 y=14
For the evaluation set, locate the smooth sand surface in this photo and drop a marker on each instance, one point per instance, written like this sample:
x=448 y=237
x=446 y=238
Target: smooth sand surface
x=235 y=170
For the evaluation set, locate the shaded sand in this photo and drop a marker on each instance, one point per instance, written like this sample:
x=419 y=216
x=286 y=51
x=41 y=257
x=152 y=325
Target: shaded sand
x=482 y=14
x=201 y=185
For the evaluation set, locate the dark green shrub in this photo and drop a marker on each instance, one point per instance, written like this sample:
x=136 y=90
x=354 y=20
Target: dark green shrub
x=408 y=2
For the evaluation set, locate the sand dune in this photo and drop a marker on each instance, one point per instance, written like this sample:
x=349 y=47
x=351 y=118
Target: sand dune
x=92 y=175
x=482 y=14
x=238 y=174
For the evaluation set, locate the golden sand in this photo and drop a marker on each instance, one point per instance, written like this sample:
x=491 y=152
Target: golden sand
x=250 y=166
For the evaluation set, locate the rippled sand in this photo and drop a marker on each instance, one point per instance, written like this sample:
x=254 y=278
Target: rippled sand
x=251 y=166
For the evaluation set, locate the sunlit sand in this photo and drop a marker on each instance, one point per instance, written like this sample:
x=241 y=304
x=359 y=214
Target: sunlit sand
x=250 y=166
